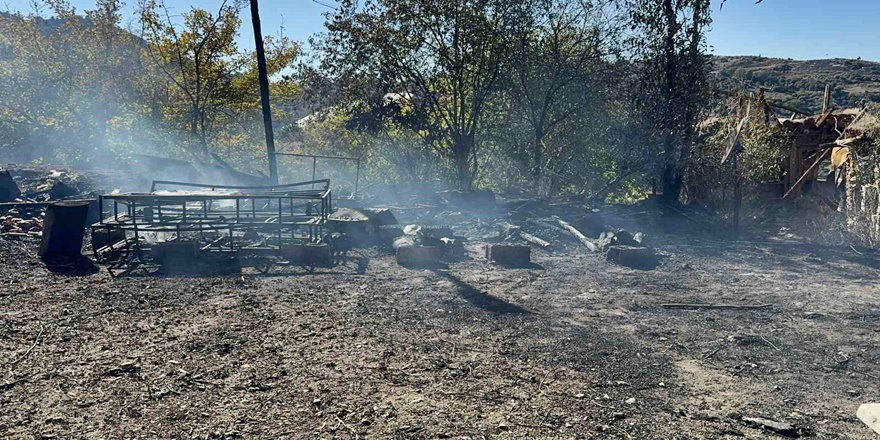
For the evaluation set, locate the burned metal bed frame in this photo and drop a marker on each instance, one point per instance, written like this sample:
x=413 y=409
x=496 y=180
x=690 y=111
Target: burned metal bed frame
x=253 y=225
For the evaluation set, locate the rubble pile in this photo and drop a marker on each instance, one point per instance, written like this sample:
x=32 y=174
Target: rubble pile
x=16 y=222
x=25 y=193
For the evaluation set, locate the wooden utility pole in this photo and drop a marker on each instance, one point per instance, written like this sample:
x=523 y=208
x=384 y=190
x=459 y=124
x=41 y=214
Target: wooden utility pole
x=264 y=91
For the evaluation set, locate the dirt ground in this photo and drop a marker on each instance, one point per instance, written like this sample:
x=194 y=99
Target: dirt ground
x=573 y=347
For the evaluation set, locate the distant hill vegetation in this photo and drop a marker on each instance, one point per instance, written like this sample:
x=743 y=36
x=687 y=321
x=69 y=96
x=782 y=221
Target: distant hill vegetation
x=801 y=84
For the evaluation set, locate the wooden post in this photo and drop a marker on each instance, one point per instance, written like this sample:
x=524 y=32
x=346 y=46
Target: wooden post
x=826 y=99
x=264 y=92
x=737 y=193
x=63 y=230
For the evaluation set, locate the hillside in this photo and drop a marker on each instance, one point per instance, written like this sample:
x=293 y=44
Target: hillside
x=802 y=83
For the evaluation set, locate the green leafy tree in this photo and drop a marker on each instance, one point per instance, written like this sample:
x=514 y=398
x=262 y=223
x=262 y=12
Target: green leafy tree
x=671 y=82
x=199 y=58
x=442 y=57
x=558 y=73
x=68 y=78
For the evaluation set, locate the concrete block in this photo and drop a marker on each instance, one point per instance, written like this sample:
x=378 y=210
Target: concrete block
x=309 y=254
x=632 y=256
x=509 y=254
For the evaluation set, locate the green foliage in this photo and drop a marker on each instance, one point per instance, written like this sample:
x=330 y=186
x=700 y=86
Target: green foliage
x=442 y=59
x=81 y=88
x=672 y=88
x=67 y=81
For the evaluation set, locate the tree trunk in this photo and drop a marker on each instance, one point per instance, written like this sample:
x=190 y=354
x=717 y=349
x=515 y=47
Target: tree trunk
x=671 y=178
x=671 y=183
x=462 y=150
x=538 y=157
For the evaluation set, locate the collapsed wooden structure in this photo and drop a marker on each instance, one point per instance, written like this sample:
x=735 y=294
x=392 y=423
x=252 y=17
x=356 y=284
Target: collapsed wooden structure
x=832 y=154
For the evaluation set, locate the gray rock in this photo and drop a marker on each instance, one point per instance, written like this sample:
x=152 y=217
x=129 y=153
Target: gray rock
x=781 y=428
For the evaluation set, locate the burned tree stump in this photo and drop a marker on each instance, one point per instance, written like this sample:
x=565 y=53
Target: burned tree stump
x=63 y=230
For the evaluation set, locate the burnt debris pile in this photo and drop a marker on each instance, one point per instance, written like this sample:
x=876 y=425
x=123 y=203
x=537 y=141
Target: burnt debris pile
x=26 y=192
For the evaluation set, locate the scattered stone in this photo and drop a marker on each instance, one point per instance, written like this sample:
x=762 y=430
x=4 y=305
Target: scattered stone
x=452 y=247
x=625 y=238
x=781 y=428
x=622 y=237
x=592 y=225
x=387 y=234
x=58 y=190
x=124 y=368
x=353 y=223
x=641 y=239
x=630 y=401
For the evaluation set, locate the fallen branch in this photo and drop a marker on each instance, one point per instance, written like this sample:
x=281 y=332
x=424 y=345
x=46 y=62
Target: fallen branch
x=515 y=232
x=581 y=237
x=716 y=306
x=534 y=240
x=770 y=344
x=543 y=224
x=29 y=350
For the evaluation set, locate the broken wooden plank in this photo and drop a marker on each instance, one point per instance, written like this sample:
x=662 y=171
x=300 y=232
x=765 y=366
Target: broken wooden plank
x=824 y=116
x=789 y=108
x=732 y=149
x=717 y=306
x=807 y=173
x=581 y=237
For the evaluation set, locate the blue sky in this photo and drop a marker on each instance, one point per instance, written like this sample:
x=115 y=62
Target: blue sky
x=799 y=29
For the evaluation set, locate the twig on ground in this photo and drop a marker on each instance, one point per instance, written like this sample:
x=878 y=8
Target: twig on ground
x=770 y=343
x=717 y=306
x=348 y=427
x=29 y=350
x=603 y=406
x=713 y=353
